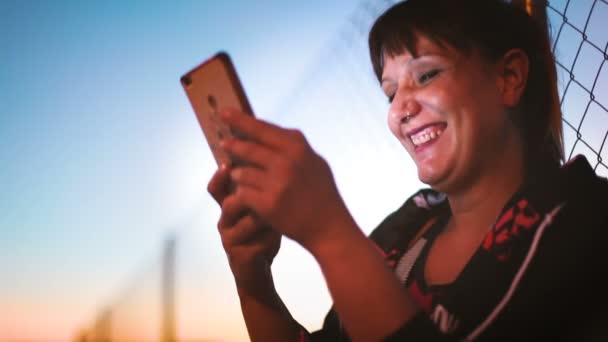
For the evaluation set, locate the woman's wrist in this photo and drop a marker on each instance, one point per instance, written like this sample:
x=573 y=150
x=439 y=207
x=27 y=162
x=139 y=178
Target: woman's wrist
x=339 y=234
x=266 y=316
x=258 y=283
x=265 y=294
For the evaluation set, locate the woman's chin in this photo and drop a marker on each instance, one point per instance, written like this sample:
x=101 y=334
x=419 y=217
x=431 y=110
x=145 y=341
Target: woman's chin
x=426 y=177
x=432 y=177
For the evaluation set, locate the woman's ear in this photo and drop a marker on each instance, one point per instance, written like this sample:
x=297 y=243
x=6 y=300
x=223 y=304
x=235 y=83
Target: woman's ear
x=512 y=76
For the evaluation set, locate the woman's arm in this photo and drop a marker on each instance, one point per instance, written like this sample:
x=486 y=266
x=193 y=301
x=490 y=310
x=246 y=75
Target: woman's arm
x=251 y=247
x=370 y=301
x=289 y=186
x=266 y=316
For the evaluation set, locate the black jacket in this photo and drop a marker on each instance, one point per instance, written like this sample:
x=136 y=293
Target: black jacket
x=538 y=275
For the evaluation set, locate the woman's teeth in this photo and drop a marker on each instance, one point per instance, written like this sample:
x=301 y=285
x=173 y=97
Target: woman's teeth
x=426 y=135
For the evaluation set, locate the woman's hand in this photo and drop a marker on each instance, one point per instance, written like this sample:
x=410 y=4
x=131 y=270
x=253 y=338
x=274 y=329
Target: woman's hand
x=287 y=185
x=284 y=181
x=249 y=244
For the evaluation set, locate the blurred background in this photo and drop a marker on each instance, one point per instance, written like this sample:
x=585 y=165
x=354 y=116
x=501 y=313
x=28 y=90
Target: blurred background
x=107 y=232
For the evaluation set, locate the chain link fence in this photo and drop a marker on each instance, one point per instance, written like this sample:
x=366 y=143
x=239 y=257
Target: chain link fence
x=580 y=45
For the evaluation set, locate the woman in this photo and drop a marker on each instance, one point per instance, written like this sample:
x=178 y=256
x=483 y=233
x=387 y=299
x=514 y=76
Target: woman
x=489 y=252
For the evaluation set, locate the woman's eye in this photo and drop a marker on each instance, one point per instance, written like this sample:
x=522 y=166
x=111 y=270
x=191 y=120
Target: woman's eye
x=428 y=76
x=391 y=98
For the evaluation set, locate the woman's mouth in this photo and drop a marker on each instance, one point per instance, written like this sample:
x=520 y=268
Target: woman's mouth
x=427 y=134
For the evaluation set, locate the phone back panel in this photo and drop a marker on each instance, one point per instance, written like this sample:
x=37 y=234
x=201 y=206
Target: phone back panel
x=211 y=87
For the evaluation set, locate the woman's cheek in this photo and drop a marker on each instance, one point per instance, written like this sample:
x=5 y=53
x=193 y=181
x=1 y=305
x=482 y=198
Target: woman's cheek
x=392 y=124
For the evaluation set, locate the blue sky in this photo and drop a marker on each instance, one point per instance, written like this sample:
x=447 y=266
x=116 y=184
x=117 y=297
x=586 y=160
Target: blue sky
x=101 y=154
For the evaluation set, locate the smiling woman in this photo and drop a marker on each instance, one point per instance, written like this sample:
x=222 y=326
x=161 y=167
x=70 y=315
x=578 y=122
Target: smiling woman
x=447 y=132
x=472 y=86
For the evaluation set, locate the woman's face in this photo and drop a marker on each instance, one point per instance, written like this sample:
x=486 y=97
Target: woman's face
x=457 y=123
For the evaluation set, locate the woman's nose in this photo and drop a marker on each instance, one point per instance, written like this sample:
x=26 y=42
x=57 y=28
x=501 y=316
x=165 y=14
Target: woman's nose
x=406 y=109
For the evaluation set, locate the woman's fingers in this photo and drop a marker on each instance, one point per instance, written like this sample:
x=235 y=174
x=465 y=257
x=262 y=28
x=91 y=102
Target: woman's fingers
x=284 y=181
x=246 y=229
x=261 y=201
x=255 y=129
x=246 y=200
x=249 y=177
x=249 y=237
x=219 y=185
x=250 y=152
x=233 y=209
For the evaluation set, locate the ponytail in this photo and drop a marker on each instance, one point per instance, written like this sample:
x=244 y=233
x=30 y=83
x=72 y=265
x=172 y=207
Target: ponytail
x=553 y=140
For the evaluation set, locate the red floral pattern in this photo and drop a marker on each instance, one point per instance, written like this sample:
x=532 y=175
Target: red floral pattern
x=424 y=300
x=513 y=222
x=391 y=257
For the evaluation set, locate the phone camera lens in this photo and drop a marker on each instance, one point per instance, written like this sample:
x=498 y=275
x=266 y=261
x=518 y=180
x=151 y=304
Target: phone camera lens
x=186 y=80
x=212 y=102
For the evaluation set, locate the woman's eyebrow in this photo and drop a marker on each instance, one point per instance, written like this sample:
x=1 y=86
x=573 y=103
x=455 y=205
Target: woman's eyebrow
x=420 y=59
x=424 y=57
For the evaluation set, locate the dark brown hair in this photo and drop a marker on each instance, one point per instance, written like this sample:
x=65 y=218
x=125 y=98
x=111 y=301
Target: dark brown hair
x=493 y=27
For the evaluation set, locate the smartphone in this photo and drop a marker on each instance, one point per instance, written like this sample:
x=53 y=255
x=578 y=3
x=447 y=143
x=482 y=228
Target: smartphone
x=212 y=86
